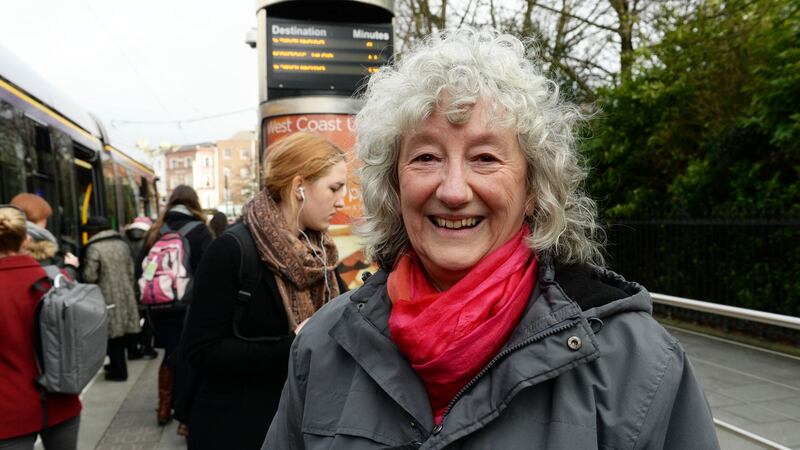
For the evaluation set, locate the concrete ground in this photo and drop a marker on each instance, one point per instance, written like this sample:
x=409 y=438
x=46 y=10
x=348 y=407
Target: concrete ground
x=122 y=416
x=753 y=389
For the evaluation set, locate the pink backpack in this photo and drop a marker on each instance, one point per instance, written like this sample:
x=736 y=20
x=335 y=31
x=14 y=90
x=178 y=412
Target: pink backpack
x=166 y=271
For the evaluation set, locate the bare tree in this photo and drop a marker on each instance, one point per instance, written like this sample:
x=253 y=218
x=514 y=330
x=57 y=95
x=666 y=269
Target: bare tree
x=586 y=43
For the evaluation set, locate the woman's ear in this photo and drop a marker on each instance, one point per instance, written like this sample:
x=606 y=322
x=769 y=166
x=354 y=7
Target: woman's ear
x=297 y=181
x=530 y=206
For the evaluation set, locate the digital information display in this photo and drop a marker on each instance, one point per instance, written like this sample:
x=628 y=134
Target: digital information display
x=324 y=56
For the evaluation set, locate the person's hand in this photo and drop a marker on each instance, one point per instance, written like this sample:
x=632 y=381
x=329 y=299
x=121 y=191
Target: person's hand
x=72 y=260
x=297 y=329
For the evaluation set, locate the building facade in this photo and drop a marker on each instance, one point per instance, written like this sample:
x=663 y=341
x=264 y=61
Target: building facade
x=236 y=171
x=223 y=173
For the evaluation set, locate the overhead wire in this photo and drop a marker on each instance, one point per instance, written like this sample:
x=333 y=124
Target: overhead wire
x=128 y=59
x=115 y=122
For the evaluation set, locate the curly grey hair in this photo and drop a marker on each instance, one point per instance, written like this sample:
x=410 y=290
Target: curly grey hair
x=450 y=72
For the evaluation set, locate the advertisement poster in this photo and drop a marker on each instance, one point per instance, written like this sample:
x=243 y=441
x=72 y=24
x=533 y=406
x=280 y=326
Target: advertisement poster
x=339 y=130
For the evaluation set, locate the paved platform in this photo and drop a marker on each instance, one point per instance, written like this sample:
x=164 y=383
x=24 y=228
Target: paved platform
x=756 y=390
x=122 y=416
x=753 y=389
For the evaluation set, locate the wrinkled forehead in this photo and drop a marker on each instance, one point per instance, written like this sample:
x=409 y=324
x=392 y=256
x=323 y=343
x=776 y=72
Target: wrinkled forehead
x=459 y=110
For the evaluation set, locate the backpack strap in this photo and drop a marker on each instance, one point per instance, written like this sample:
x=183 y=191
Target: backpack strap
x=52 y=271
x=42 y=286
x=184 y=230
x=248 y=279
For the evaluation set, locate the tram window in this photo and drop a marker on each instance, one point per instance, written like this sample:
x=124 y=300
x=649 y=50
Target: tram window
x=109 y=193
x=40 y=179
x=155 y=201
x=68 y=216
x=12 y=153
x=129 y=195
x=139 y=193
x=144 y=197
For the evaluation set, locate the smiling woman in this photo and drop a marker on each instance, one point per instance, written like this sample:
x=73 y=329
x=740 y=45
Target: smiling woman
x=463 y=192
x=491 y=323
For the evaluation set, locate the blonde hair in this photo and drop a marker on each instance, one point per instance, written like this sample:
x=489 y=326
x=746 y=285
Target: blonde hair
x=451 y=72
x=12 y=229
x=306 y=155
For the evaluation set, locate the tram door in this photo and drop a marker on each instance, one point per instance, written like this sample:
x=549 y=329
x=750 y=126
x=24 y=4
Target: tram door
x=85 y=187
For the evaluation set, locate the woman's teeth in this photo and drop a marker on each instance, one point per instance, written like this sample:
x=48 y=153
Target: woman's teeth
x=456 y=224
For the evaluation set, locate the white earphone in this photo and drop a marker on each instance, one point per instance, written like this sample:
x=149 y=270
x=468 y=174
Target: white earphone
x=324 y=257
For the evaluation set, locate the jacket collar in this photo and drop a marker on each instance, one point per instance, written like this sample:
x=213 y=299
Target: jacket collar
x=550 y=321
x=363 y=332
x=103 y=235
x=18 y=261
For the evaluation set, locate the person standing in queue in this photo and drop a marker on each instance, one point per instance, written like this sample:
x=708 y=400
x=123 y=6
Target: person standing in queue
x=108 y=264
x=240 y=358
x=141 y=345
x=183 y=209
x=42 y=245
x=21 y=409
x=491 y=324
x=218 y=223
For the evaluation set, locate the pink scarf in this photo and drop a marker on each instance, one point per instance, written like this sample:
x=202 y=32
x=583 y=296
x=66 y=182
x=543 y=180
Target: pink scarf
x=450 y=336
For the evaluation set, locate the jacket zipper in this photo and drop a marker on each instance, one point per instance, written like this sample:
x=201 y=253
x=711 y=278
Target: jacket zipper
x=548 y=332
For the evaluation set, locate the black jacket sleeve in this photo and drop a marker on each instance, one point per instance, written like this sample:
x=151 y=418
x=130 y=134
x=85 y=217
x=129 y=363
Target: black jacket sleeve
x=212 y=347
x=200 y=240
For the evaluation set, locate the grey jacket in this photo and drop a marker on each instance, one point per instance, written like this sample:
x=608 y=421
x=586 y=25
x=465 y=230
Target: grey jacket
x=109 y=264
x=586 y=368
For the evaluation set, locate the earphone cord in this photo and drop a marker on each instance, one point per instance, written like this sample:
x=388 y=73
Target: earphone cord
x=324 y=258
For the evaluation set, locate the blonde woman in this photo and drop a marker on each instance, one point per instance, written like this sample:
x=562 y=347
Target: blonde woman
x=21 y=412
x=240 y=362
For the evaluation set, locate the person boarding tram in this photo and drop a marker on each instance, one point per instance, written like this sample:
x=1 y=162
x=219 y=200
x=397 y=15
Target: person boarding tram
x=22 y=412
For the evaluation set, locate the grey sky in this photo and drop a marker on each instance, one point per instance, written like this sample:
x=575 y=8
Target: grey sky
x=148 y=60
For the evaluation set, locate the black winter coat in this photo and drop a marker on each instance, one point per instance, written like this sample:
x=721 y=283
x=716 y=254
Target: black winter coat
x=239 y=382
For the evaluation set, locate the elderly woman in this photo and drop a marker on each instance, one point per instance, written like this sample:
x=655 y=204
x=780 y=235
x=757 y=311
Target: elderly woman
x=490 y=326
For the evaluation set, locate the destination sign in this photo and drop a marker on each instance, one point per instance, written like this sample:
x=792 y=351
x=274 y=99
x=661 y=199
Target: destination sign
x=324 y=56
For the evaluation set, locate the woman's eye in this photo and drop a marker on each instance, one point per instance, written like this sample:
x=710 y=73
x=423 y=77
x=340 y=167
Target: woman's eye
x=425 y=157
x=486 y=158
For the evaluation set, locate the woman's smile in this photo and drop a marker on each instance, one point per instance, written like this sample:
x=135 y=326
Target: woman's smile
x=457 y=223
x=462 y=192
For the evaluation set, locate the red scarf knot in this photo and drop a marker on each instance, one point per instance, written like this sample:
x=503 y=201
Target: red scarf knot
x=450 y=336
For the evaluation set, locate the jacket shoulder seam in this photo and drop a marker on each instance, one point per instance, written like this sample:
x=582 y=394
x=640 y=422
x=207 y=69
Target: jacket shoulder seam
x=648 y=406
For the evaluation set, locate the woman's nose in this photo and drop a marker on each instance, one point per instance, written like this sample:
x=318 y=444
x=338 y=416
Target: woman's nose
x=454 y=190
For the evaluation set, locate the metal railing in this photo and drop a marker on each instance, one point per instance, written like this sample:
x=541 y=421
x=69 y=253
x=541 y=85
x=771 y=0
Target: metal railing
x=748 y=436
x=779 y=320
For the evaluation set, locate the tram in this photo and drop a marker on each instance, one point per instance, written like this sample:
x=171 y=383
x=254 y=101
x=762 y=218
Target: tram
x=56 y=149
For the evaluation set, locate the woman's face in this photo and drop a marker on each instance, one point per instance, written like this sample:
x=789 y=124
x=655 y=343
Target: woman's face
x=462 y=192
x=323 y=197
